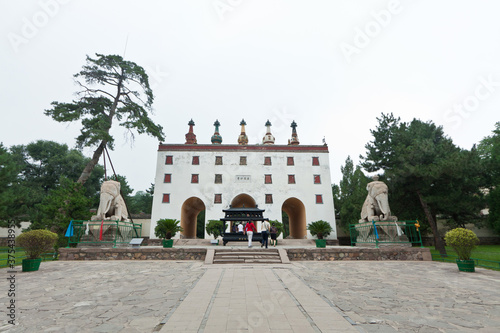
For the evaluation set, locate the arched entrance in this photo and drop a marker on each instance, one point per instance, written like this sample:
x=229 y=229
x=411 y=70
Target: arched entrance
x=189 y=211
x=296 y=212
x=243 y=199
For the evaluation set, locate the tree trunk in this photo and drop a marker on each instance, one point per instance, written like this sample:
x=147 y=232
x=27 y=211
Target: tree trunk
x=92 y=163
x=438 y=242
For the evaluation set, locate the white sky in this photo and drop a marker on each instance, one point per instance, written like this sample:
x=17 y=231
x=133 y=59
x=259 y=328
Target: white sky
x=283 y=60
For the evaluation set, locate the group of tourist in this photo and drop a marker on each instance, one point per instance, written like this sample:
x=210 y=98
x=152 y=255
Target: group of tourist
x=249 y=228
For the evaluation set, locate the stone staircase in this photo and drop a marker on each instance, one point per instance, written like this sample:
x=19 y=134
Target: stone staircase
x=246 y=256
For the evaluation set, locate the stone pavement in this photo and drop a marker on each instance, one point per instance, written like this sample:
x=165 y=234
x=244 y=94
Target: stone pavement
x=169 y=296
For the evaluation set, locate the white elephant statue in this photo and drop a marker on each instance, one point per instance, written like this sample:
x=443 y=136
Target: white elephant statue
x=111 y=205
x=376 y=206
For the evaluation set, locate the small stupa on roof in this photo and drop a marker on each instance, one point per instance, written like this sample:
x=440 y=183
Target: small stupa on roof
x=295 y=138
x=268 y=139
x=243 y=138
x=190 y=136
x=216 y=138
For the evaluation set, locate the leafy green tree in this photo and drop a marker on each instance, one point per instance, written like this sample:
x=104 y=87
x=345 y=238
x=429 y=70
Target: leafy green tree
x=418 y=158
x=350 y=195
x=40 y=166
x=9 y=170
x=64 y=203
x=108 y=94
x=141 y=202
x=489 y=150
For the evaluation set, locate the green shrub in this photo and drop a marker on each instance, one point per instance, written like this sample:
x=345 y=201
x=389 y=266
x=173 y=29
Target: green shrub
x=215 y=228
x=167 y=228
x=37 y=242
x=278 y=226
x=319 y=228
x=463 y=241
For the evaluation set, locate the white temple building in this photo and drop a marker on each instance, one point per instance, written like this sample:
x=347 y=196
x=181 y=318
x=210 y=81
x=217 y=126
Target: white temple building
x=194 y=177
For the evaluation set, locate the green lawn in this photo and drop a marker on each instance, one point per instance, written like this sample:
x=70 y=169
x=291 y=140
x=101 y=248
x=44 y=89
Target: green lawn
x=484 y=252
x=19 y=255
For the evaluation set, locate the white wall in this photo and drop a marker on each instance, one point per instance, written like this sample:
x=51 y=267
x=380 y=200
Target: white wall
x=181 y=189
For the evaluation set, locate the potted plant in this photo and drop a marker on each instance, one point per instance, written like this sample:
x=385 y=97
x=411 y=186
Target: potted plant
x=166 y=229
x=215 y=228
x=320 y=229
x=463 y=241
x=279 y=226
x=35 y=243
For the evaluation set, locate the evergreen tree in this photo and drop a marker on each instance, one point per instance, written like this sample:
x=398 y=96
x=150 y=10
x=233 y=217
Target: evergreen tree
x=107 y=94
x=419 y=159
x=351 y=194
x=489 y=151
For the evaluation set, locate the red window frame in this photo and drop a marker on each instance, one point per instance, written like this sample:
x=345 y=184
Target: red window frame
x=169 y=160
x=194 y=178
x=268 y=179
x=267 y=160
x=217 y=198
x=269 y=198
x=291 y=179
x=290 y=161
x=166 y=198
x=319 y=198
x=315 y=160
x=167 y=178
x=196 y=160
x=317 y=179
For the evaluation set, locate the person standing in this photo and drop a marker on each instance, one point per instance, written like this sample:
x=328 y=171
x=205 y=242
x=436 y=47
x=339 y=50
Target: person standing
x=273 y=232
x=240 y=228
x=265 y=233
x=249 y=229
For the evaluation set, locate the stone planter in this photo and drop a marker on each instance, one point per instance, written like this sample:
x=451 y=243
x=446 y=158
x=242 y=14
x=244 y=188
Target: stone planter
x=168 y=242
x=465 y=265
x=320 y=242
x=31 y=265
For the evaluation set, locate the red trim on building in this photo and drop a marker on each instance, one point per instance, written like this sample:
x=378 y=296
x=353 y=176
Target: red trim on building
x=270 y=148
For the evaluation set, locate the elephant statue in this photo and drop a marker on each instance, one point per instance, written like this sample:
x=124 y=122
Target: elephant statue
x=111 y=204
x=376 y=206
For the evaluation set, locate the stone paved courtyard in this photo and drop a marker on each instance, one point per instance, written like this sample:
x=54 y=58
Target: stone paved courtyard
x=168 y=296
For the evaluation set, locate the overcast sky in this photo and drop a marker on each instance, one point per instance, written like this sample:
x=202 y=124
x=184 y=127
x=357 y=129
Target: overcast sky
x=332 y=66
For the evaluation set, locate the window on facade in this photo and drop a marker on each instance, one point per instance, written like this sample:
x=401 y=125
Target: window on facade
x=218 y=179
x=315 y=160
x=269 y=198
x=291 y=179
x=218 y=198
x=169 y=159
x=267 y=160
x=319 y=198
x=268 y=179
x=289 y=160
x=317 y=179
x=243 y=160
x=194 y=178
x=166 y=198
x=168 y=178
x=196 y=160
x=218 y=160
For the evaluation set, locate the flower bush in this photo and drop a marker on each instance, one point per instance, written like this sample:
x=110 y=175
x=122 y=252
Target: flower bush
x=37 y=242
x=463 y=241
